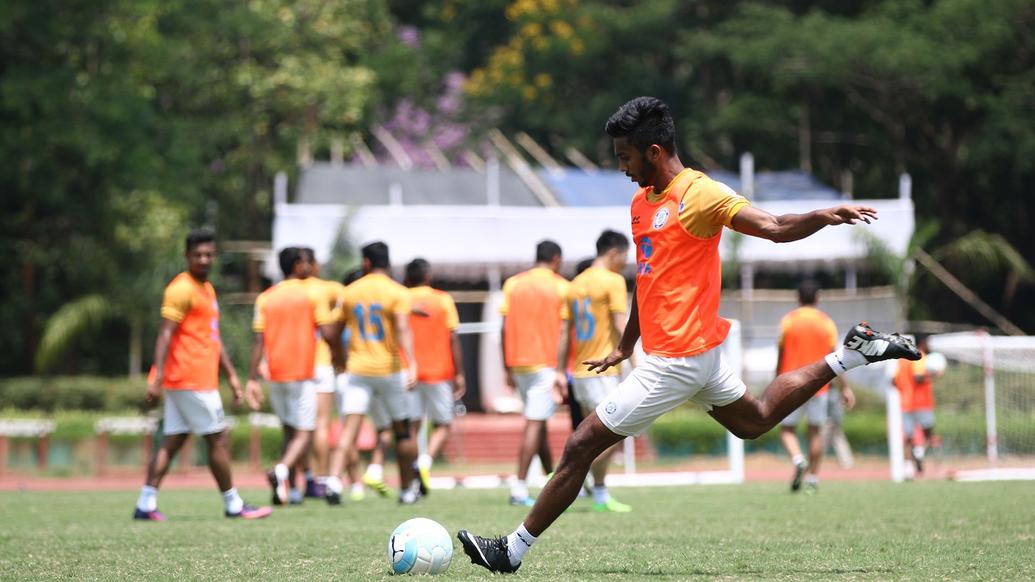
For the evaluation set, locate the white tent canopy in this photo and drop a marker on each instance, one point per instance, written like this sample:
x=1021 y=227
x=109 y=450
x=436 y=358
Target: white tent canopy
x=458 y=238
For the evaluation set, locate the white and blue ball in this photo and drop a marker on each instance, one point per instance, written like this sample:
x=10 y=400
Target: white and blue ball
x=420 y=546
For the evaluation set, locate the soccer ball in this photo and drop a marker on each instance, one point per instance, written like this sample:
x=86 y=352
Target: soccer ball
x=420 y=546
x=935 y=363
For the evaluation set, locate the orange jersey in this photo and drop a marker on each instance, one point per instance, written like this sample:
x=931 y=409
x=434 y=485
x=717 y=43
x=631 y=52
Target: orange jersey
x=288 y=315
x=332 y=292
x=369 y=308
x=534 y=305
x=192 y=362
x=678 y=271
x=433 y=334
x=915 y=395
x=806 y=335
x=593 y=296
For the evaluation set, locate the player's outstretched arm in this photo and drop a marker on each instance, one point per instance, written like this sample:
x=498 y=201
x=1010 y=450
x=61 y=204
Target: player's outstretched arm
x=756 y=222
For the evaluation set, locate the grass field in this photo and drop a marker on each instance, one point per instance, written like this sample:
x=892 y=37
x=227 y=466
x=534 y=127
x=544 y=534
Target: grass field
x=850 y=531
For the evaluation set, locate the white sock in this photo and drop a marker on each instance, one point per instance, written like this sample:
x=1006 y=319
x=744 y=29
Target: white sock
x=148 y=500
x=322 y=479
x=918 y=453
x=424 y=461
x=334 y=485
x=281 y=471
x=232 y=501
x=811 y=480
x=357 y=487
x=600 y=494
x=842 y=360
x=519 y=489
x=375 y=472
x=798 y=460
x=518 y=543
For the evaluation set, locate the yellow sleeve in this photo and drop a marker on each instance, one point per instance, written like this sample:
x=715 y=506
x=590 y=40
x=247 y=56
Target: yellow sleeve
x=259 y=321
x=562 y=290
x=508 y=286
x=707 y=206
x=452 y=317
x=618 y=296
x=322 y=313
x=402 y=305
x=176 y=302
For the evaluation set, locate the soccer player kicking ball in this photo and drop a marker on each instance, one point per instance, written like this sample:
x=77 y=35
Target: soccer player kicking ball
x=677 y=219
x=188 y=355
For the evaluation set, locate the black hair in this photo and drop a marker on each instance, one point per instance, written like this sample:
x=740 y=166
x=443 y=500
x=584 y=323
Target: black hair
x=307 y=254
x=583 y=265
x=417 y=272
x=289 y=257
x=377 y=254
x=547 y=251
x=610 y=239
x=645 y=121
x=807 y=291
x=199 y=236
x=352 y=276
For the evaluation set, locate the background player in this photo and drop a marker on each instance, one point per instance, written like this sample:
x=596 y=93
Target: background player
x=188 y=355
x=377 y=311
x=287 y=319
x=534 y=310
x=440 y=367
x=916 y=386
x=677 y=218
x=597 y=299
x=806 y=335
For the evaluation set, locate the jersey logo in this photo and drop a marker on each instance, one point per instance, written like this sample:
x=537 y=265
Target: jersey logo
x=868 y=347
x=636 y=219
x=681 y=203
x=660 y=218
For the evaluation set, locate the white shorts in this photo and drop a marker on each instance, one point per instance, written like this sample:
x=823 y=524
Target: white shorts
x=379 y=416
x=193 y=411
x=536 y=390
x=660 y=384
x=295 y=403
x=389 y=390
x=591 y=390
x=325 y=382
x=815 y=410
x=435 y=400
x=921 y=418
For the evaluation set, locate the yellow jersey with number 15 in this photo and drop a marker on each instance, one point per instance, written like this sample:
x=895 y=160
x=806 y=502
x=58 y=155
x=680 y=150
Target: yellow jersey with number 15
x=369 y=307
x=592 y=297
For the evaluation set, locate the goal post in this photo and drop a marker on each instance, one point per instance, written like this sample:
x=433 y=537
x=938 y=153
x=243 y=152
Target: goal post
x=984 y=406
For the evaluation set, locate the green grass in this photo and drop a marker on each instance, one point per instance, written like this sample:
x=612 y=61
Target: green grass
x=849 y=531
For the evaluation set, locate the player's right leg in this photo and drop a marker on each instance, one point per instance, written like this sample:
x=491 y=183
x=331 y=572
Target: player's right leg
x=296 y=407
x=355 y=405
x=391 y=392
x=176 y=432
x=536 y=391
x=326 y=392
x=789 y=440
x=816 y=411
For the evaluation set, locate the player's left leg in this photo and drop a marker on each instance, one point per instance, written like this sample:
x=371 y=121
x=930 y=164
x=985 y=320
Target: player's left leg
x=816 y=411
x=157 y=468
x=299 y=418
x=219 y=464
x=750 y=417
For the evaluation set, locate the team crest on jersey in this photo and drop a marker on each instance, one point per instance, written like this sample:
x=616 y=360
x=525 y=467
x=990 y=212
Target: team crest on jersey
x=660 y=218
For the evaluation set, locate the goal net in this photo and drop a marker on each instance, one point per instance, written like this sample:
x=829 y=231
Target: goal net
x=984 y=406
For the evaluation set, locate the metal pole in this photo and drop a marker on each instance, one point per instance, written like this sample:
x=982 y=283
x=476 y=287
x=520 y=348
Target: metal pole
x=991 y=434
x=896 y=454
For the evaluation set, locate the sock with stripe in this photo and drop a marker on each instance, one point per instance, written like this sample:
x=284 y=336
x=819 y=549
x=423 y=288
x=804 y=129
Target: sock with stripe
x=518 y=543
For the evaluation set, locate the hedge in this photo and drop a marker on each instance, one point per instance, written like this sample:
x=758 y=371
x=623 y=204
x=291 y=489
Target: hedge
x=90 y=393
